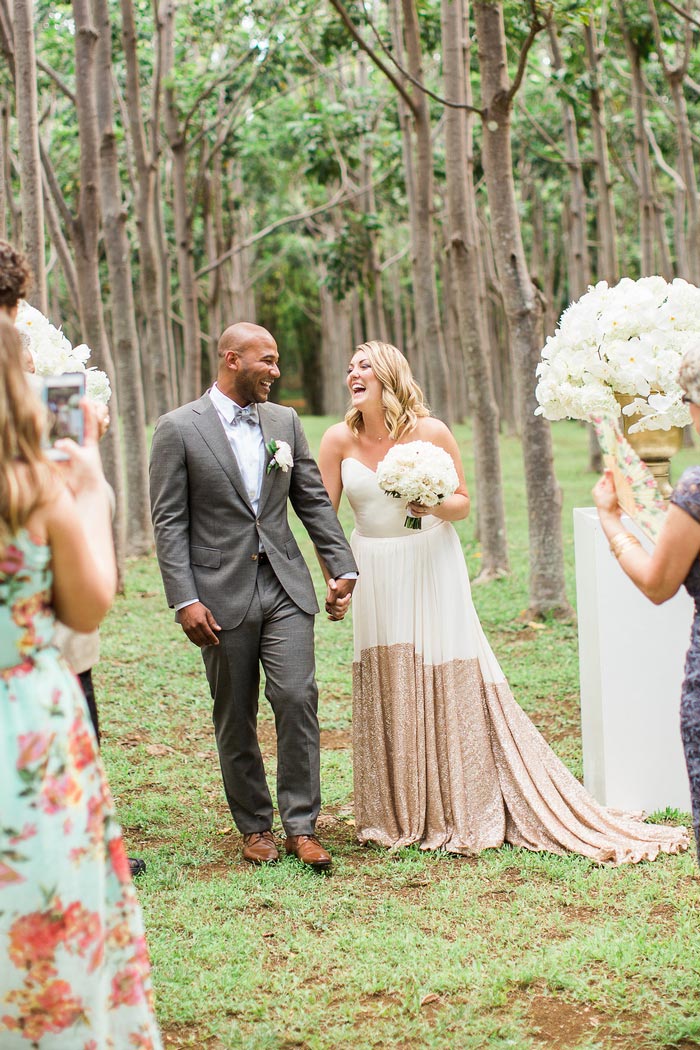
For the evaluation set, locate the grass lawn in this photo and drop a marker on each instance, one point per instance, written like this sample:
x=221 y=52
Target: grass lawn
x=402 y=951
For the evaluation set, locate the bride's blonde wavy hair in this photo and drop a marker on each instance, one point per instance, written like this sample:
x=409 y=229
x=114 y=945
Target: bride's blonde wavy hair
x=26 y=478
x=402 y=398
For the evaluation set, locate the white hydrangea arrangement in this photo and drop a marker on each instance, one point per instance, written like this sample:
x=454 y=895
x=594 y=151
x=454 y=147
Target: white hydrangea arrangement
x=628 y=339
x=417 y=472
x=53 y=354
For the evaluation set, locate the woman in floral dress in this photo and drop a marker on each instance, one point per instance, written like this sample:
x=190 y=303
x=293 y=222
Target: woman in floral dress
x=74 y=969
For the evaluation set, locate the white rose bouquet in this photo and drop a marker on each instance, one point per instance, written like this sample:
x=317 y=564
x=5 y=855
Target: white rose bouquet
x=628 y=339
x=418 y=472
x=53 y=354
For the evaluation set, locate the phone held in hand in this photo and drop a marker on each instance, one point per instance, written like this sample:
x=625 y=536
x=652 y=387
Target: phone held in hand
x=61 y=396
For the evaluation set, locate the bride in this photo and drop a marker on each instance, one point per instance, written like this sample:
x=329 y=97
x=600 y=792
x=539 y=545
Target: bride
x=443 y=755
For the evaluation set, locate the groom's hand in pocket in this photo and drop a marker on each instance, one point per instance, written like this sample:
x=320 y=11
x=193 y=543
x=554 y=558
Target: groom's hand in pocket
x=199 y=624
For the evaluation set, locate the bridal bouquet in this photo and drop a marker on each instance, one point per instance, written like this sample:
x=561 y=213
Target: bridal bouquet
x=418 y=472
x=53 y=354
x=628 y=339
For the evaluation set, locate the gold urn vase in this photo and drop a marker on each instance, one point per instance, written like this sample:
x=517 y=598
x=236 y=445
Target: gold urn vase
x=655 y=447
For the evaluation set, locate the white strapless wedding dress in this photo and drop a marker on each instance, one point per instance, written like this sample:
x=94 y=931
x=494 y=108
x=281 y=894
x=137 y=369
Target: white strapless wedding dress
x=443 y=755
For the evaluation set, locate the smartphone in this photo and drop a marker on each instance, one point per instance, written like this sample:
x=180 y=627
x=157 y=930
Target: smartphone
x=64 y=416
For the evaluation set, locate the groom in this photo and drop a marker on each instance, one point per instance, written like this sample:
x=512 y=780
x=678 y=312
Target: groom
x=222 y=471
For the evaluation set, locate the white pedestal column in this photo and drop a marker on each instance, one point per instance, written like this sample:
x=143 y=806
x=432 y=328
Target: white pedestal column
x=632 y=655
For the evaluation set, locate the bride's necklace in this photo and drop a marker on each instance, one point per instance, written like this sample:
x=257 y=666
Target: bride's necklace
x=381 y=437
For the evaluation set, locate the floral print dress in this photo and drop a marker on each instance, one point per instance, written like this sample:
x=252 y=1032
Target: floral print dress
x=74 y=968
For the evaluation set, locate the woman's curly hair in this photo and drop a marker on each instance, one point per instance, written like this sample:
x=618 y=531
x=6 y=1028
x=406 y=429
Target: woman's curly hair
x=689 y=375
x=15 y=275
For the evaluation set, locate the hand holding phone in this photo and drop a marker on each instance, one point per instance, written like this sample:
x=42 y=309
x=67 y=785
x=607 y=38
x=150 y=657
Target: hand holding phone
x=62 y=396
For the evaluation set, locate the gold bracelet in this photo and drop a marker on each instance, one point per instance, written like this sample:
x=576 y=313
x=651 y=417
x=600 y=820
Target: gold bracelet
x=622 y=542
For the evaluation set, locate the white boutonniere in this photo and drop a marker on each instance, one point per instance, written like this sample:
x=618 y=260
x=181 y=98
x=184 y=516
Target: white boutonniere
x=280 y=456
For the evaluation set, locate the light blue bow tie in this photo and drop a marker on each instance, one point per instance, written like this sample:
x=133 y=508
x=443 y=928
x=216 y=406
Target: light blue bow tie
x=249 y=414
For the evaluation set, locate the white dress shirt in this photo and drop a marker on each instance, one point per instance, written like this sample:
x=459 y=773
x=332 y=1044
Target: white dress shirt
x=246 y=441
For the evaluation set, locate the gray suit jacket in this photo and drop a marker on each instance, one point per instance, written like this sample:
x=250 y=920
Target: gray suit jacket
x=207 y=534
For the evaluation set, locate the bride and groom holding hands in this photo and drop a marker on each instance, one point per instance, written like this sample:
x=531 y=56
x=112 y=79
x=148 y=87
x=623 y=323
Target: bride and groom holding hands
x=443 y=755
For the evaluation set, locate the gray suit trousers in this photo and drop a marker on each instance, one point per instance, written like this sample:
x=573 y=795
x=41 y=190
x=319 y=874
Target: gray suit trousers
x=279 y=635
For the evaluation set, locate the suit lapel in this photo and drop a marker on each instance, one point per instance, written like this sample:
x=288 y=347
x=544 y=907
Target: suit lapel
x=271 y=430
x=207 y=422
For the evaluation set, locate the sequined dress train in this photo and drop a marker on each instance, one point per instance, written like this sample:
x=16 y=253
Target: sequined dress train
x=443 y=755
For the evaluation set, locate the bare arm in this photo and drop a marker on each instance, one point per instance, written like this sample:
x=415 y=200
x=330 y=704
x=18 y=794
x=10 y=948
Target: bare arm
x=79 y=531
x=457 y=506
x=657 y=575
x=330 y=458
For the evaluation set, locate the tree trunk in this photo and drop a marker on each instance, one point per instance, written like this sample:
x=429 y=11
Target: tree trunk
x=177 y=141
x=524 y=311
x=31 y=192
x=5 y=186
x=118 y=251
x=675 y=77
x=607 y=269
x=156 y=341
x=429 y=336
x=465 y=263
x=85 y=238
x=579 y=274
x=647 y=218
x=241 y=287
x=336 y=349
x=397 y=326
x=579 y=269
x=212 y=209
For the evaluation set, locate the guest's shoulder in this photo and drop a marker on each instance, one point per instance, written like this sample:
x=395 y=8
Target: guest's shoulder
x=686 y=494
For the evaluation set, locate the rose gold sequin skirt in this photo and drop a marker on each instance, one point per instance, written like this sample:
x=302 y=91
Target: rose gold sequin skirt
x=443 y=755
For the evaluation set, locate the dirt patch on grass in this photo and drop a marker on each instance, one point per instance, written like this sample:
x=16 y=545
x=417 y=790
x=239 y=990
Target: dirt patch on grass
x=560 y=1024
x=129 y=740
x=663 y=913
x=180 y=1035
x=376 y=1004
x=560 y=721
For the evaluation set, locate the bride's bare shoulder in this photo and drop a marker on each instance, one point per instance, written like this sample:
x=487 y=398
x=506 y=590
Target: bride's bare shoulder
x=428 y=428
x=337 y=439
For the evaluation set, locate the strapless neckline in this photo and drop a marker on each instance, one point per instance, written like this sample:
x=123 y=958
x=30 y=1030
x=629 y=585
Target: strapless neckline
x=376 y=513
x=354 y=459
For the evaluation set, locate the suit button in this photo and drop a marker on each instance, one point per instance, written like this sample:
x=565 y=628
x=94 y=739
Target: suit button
x=253 y=557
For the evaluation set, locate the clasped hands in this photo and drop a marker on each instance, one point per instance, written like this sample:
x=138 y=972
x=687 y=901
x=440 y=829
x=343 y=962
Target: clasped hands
x=201 y=628
x=338 y=597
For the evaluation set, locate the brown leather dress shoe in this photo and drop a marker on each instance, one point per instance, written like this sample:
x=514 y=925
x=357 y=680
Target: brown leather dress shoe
x=260 y=848
x=309 y=851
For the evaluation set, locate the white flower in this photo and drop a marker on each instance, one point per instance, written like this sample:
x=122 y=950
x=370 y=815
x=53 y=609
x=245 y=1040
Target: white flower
x=418 y=472
x=97 y=386
x=628 y=339
x=53 y=354
x=281 y=456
